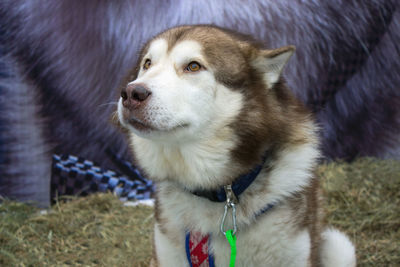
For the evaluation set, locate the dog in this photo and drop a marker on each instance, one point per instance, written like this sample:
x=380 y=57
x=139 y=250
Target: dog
x=62 y=61
x=211 y=120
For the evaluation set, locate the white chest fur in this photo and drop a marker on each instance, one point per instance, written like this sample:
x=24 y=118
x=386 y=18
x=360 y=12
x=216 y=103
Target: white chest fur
x=272 y=237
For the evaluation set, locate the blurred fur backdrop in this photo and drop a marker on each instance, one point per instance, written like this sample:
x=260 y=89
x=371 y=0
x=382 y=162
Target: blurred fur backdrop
x=62 y=61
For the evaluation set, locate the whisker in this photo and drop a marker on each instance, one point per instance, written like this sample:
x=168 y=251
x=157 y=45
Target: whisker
x=108 y=104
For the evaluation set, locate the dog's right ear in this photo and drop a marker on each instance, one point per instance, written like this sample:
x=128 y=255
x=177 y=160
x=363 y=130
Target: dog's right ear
x=271 y=63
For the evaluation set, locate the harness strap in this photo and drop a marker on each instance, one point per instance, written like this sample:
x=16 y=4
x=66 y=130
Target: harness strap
x=197 y=250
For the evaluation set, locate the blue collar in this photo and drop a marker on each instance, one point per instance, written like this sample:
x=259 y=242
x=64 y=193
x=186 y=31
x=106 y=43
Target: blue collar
x=238 y=186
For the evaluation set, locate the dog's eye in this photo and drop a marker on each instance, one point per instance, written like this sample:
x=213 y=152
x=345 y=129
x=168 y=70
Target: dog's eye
x=147 y=64
x=193 y=66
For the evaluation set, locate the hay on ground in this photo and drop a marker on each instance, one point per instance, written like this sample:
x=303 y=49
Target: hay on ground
x=361 y=198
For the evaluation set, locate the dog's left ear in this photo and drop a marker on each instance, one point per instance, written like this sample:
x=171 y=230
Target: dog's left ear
x=272 y=62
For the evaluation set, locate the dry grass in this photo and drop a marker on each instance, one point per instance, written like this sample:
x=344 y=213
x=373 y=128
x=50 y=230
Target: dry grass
x=362 y=199
x=92 y=231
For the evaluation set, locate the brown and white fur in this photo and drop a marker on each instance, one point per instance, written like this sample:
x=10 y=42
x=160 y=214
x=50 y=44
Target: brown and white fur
x=202 y=128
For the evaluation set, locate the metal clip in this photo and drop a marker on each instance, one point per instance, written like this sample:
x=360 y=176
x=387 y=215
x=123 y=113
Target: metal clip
x=231 y=200
x=230 y=196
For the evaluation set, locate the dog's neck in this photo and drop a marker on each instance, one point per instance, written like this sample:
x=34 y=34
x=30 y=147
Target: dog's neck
x=195 y=165
x=238 y=186
x=208 y=164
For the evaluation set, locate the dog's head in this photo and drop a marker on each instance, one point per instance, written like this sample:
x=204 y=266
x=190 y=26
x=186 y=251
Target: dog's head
x=193 y=81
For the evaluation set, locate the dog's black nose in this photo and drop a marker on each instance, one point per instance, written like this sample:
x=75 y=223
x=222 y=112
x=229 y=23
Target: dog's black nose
x=134 y=94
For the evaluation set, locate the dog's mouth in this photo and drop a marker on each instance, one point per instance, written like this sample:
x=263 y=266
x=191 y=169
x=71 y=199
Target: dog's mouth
x=140 y=126
x=141 y=122
x=148 y=127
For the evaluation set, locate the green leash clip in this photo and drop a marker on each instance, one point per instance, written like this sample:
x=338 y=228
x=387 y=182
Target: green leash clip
x=232 y=242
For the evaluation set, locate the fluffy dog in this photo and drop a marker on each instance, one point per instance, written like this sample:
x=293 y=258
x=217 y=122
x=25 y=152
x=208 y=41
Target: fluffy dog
x=212 y=121
x=61 y=61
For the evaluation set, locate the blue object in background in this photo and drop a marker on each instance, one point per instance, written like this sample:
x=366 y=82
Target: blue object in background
x=77 y=176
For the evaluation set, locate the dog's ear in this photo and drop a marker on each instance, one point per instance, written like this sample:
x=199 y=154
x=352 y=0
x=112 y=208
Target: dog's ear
x=271 y=63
